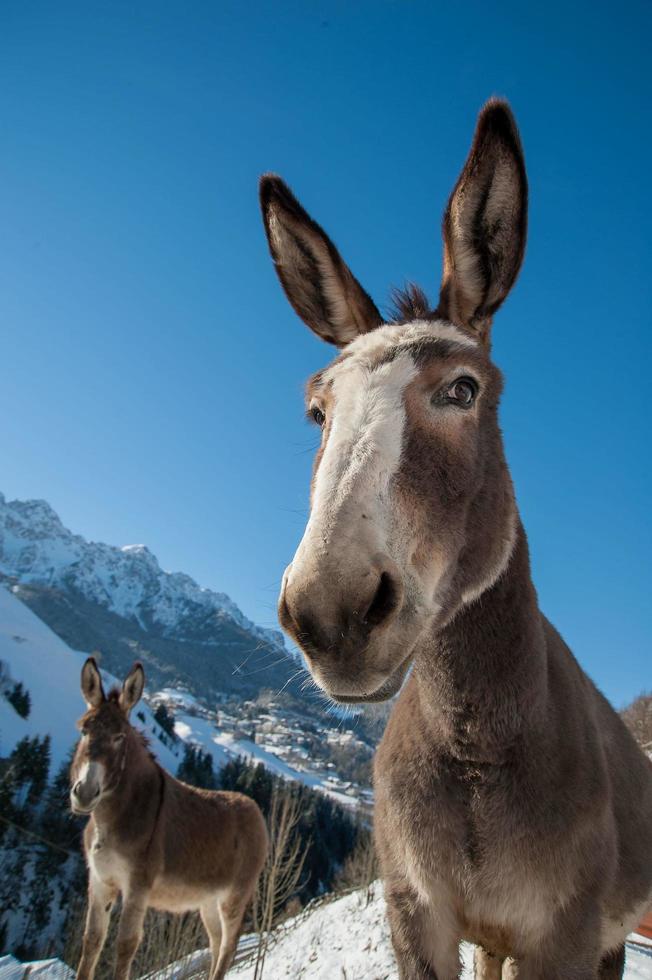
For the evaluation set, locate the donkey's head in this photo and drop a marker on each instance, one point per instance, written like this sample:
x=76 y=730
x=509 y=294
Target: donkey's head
x=101 y=753
x=412 y=510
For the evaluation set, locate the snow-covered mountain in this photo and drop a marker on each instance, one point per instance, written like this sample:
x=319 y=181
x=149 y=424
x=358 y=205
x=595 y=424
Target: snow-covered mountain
x=36 y=548
x=119 y=600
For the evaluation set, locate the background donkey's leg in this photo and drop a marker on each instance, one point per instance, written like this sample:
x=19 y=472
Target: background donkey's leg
x=210 y=916
x=232 y=910
x=613 y=965
x=486 y=966
x=130 y=932
x=100 y=903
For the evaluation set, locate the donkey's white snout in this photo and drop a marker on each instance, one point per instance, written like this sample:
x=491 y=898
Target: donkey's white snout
x=330 y=609
x=86 y=791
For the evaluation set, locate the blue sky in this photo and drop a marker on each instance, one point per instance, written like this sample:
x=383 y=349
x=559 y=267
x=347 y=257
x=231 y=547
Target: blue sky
x=152 y=371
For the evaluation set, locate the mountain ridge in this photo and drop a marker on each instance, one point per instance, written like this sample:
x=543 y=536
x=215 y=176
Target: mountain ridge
x=120 y=600
x=36 y=547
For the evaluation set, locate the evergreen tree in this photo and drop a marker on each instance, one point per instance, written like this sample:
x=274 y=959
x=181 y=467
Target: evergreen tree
x=196 y=768
x=7 y=809
x=41 y=866
x=13 y=861
x=165 y=718
x=25 y=775
x=20 y=698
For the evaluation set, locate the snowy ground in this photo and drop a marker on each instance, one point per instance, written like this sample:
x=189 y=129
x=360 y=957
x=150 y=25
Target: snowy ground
x=344 y=939
x=11 y=969
x=348 y=939
x=340 y=939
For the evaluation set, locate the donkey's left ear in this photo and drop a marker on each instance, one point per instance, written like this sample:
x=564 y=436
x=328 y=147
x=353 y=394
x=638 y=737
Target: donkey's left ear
x=485 y=223
x=318 y=283
x=91 y=684
x=132 y=689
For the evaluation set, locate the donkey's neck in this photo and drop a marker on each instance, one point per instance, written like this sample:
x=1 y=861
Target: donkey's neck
x=131 y=809
x=481 y=678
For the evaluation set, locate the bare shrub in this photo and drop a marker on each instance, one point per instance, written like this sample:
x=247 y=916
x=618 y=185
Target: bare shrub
x=167 y=938
x=281 y=875
x=638 y=718
x=361 y=867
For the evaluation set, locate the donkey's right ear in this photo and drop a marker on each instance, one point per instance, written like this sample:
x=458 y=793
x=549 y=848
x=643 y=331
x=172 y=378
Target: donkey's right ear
x=91 y=684
x=319 y=285
x=485 y=223
x=132 y=689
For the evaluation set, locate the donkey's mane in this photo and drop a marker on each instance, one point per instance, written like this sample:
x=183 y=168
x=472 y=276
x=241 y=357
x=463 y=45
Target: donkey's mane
x=410 y=303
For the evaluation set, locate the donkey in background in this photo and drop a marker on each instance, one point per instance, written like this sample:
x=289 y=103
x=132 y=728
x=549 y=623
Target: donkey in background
x=513 y=808
x=158 y=842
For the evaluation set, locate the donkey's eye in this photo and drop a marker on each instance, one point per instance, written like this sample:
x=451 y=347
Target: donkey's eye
x=317 y=415
x=462 y=392
x=117 y=739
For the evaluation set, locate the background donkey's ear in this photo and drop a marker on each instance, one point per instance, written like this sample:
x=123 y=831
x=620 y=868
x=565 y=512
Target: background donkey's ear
x=132 y=688
x=319 y=285
x=91 y=684
x=485 y=223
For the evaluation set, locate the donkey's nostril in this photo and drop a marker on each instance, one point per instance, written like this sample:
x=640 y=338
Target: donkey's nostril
x=327 y=619
x=384 y=602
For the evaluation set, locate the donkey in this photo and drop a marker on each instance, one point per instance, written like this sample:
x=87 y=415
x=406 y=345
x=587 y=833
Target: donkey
x=513 y=809
x=158 y=842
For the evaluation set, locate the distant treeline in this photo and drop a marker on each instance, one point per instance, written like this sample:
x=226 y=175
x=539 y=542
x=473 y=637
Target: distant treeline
x=42 y=875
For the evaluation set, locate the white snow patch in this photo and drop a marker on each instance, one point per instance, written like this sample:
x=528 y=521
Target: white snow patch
x=11 y=969
x=50 y=671
x=349 y=938
x=346 y=938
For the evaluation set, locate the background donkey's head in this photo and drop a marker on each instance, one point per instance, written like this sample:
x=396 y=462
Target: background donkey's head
x=101 y=753
x=412 y=511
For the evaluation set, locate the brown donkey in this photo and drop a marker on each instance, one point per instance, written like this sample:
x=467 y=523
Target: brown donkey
x=513 y=809
x=158 y=842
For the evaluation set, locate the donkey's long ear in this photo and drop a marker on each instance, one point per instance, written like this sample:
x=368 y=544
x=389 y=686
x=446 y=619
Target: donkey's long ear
x=132 y=689
x=319 y=285
x=485 y=223
x=91 y=684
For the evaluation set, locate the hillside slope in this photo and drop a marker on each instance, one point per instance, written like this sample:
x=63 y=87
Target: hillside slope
x=342 y=939
x=120 y=601
x=30 y=652
x=348 y=938
x=50 y=671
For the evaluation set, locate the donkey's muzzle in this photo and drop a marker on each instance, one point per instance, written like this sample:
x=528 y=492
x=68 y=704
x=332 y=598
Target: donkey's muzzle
x=81 y=802
x=331 y=621
x=85 y=792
